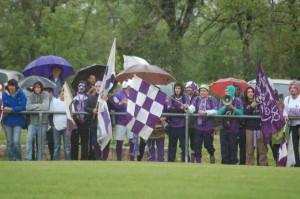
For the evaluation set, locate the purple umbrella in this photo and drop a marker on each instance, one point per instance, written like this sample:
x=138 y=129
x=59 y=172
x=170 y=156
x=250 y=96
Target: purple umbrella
x=42 y=67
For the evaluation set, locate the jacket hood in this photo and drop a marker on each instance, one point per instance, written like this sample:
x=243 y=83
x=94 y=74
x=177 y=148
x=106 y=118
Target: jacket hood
x=231 y=90
x=40 y=84
x=240 y=88
x=245 y=93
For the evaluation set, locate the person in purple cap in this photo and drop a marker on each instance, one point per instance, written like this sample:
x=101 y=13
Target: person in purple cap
x=177 y=104
x=191 y=89
x=230 y=127
x=81 y=121
x=120 y=102
x=91 y=107
x=204 y=105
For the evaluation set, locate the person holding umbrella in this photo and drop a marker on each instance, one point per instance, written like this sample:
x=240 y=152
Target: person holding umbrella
x=38 y=100
x=14 y=100
x=56 y=78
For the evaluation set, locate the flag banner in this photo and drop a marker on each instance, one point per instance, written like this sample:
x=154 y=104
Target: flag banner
x=71 y=125
x=290 y=152
x=104 y=127
x=144 y=107
x=271 y=117
x=282 y=153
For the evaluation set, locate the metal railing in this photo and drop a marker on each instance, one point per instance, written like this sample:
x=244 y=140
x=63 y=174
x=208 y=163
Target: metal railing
x=186 y=115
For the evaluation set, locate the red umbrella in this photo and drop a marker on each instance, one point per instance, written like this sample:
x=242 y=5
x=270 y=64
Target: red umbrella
x=219 y=86
x=149 y=73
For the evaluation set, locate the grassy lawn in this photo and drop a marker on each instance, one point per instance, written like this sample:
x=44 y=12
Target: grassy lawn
x=144 y=180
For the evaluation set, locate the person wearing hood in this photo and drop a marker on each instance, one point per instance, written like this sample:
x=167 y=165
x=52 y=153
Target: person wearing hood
x=191 y=89
x=177 y=104
x=38 y=100
x=120 y=103
x=242 y=129
x=254 y=136
x=204 y=127
x=13 y=100
x=90 y=106
x=81 y=121
x=230 y=127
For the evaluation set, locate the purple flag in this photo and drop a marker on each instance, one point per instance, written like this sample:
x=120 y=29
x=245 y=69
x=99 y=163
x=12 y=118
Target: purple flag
x=71 y=125
x=144 y=107
x=104 y=128
x=271 y=117
x=282 y=153
x=290 y=152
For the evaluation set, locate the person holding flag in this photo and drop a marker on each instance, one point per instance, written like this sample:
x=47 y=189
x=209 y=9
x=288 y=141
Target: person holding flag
x=254 y=136
x=120 y=102
x=92 y=108
x=292 y=108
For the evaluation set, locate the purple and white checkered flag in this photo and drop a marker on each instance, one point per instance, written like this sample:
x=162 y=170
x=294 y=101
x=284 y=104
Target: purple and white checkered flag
x=144 y=107
x=104 y=128
x=271 y=118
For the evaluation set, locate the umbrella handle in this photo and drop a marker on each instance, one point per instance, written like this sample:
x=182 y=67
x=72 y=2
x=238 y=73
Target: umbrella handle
x=94 y=114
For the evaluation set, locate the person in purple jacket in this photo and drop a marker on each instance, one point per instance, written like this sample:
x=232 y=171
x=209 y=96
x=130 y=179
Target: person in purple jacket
x=204 y=127
x=120 y=103
x=177 y=104
x=230 y=127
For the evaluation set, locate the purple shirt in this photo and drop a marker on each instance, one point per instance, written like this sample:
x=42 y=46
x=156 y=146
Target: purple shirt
x=118 y=97
x=208 y=103
x=173 y=106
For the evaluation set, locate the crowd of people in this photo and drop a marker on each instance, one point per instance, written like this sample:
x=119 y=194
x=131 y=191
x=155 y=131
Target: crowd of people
x=243 y=135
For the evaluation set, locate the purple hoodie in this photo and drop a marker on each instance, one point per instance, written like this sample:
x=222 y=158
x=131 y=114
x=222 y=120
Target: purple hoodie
x=118 y=97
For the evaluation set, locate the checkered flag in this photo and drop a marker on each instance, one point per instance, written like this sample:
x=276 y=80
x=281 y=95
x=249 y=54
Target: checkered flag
x=144 y=108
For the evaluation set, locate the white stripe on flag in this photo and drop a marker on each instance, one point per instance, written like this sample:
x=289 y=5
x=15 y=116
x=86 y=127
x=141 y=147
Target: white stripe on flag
x=290 y=153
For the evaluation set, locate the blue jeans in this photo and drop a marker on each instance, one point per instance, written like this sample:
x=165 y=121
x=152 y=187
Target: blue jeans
x=34 y=130
x=57 y=141
x=13 y=134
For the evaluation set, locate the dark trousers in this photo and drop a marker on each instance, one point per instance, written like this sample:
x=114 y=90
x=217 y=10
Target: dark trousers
x=50 y=142
x=175 y=134
x=81 y=132
x=208 y=138
x=228 y=147
x=295 y=136
x=142 y=147
x=191 y=138
x=242 y=145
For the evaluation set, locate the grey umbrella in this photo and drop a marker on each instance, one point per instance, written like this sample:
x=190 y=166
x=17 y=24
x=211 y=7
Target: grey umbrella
x=28 y=82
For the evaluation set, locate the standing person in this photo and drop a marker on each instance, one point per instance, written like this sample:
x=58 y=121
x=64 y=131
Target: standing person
x=55 y=77
x=60 y=126
x=50 y=140
x=254 y=136
x=242 y=128
x=120 y=102
x=204 y=127
x=81 y=121
x=230 y=127
x=13 y=101
x=178 y=104
x=292 y=108
x=91 y=81
x=191 y=90
x=92 y=108
x=38 y=100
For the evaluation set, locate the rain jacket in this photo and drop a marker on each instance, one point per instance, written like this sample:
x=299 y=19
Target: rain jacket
x=38 y=102
x=17 y=103
x=251 y=123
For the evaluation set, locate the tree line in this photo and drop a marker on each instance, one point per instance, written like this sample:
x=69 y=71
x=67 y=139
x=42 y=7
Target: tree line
x=200 y=40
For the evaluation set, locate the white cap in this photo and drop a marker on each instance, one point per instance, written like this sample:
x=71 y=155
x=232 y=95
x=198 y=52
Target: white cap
x=126 y=83
x=204 y=86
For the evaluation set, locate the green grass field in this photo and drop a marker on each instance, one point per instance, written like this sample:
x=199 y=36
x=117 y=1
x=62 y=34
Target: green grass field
x=145 y=180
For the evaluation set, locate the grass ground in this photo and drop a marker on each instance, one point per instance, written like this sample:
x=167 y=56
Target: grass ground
x=113 y=179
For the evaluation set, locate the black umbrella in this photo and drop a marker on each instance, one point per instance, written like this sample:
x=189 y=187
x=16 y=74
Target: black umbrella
x=95 y=69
